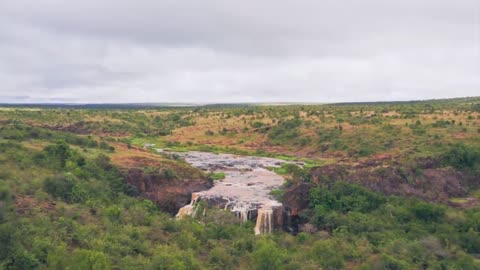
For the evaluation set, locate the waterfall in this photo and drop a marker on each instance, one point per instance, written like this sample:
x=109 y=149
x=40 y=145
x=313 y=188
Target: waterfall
x=264 y=221
x=189 y=209
x=244 y=215
x=242 y=210
x=245 y=191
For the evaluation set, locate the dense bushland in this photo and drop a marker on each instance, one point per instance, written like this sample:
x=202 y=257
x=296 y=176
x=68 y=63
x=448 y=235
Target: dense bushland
x=65 y=205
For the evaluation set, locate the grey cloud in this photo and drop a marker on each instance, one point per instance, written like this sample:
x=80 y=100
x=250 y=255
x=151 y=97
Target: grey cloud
x=222 y=51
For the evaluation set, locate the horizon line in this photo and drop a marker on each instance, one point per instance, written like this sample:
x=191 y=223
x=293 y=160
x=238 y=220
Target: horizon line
x=193 y=104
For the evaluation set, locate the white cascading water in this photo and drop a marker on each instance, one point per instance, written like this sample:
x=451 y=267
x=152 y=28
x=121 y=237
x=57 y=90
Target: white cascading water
x=241 y=209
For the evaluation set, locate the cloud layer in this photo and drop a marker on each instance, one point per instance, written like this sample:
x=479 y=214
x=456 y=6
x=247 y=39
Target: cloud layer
x=225 y=51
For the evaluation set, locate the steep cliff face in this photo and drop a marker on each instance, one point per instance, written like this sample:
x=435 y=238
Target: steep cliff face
x=436 y=184
x=297 y=197
x=426 y=180
x=167 y=182
x=169 y=194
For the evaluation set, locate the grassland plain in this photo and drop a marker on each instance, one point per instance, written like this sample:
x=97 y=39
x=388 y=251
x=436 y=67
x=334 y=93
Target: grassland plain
x=386 y=186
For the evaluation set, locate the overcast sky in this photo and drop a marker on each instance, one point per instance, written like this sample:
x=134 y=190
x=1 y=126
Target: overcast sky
x=238 y=51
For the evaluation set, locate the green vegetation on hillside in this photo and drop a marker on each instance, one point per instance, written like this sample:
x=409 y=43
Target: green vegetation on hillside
x=65 y=202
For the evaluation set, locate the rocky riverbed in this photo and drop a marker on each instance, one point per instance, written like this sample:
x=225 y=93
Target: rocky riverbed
x=245 y=189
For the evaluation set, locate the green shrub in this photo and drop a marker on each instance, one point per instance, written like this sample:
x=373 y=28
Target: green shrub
x=293 y=173
x=345 y=197
x=220 y=259
x=327 y=135
x=258 y=124
x=327 y=254
x=217 y=175
x=171 y=258
x=186 y=240
x=60 y=186
x=5 y=202
x=58 y=154
x=390 y=263
x=168 y=174
x=113 y=212
x=88 y=259
x=427 y=212
x=285 y=131
x=470 y=241
x=266 y=256
x=8 y=241
x=278 y=194
x=41 y=247
x=462 y=156
x=22 y=260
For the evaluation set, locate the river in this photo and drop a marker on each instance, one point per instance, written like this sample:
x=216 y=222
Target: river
x=245 y=189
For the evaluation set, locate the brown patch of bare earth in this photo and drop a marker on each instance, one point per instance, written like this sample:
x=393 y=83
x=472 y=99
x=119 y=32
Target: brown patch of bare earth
x=25 y=204
x=134 y=156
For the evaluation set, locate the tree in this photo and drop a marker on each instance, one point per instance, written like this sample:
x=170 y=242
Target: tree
x=66 y=187
x=171 y=258
x=462 y=156
x=266 y=256
x=89 y=259
x=8 y=241
x=427 y=212
x=5 y=202
x=58 y=153
x=22 y=260
x=328 y=255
